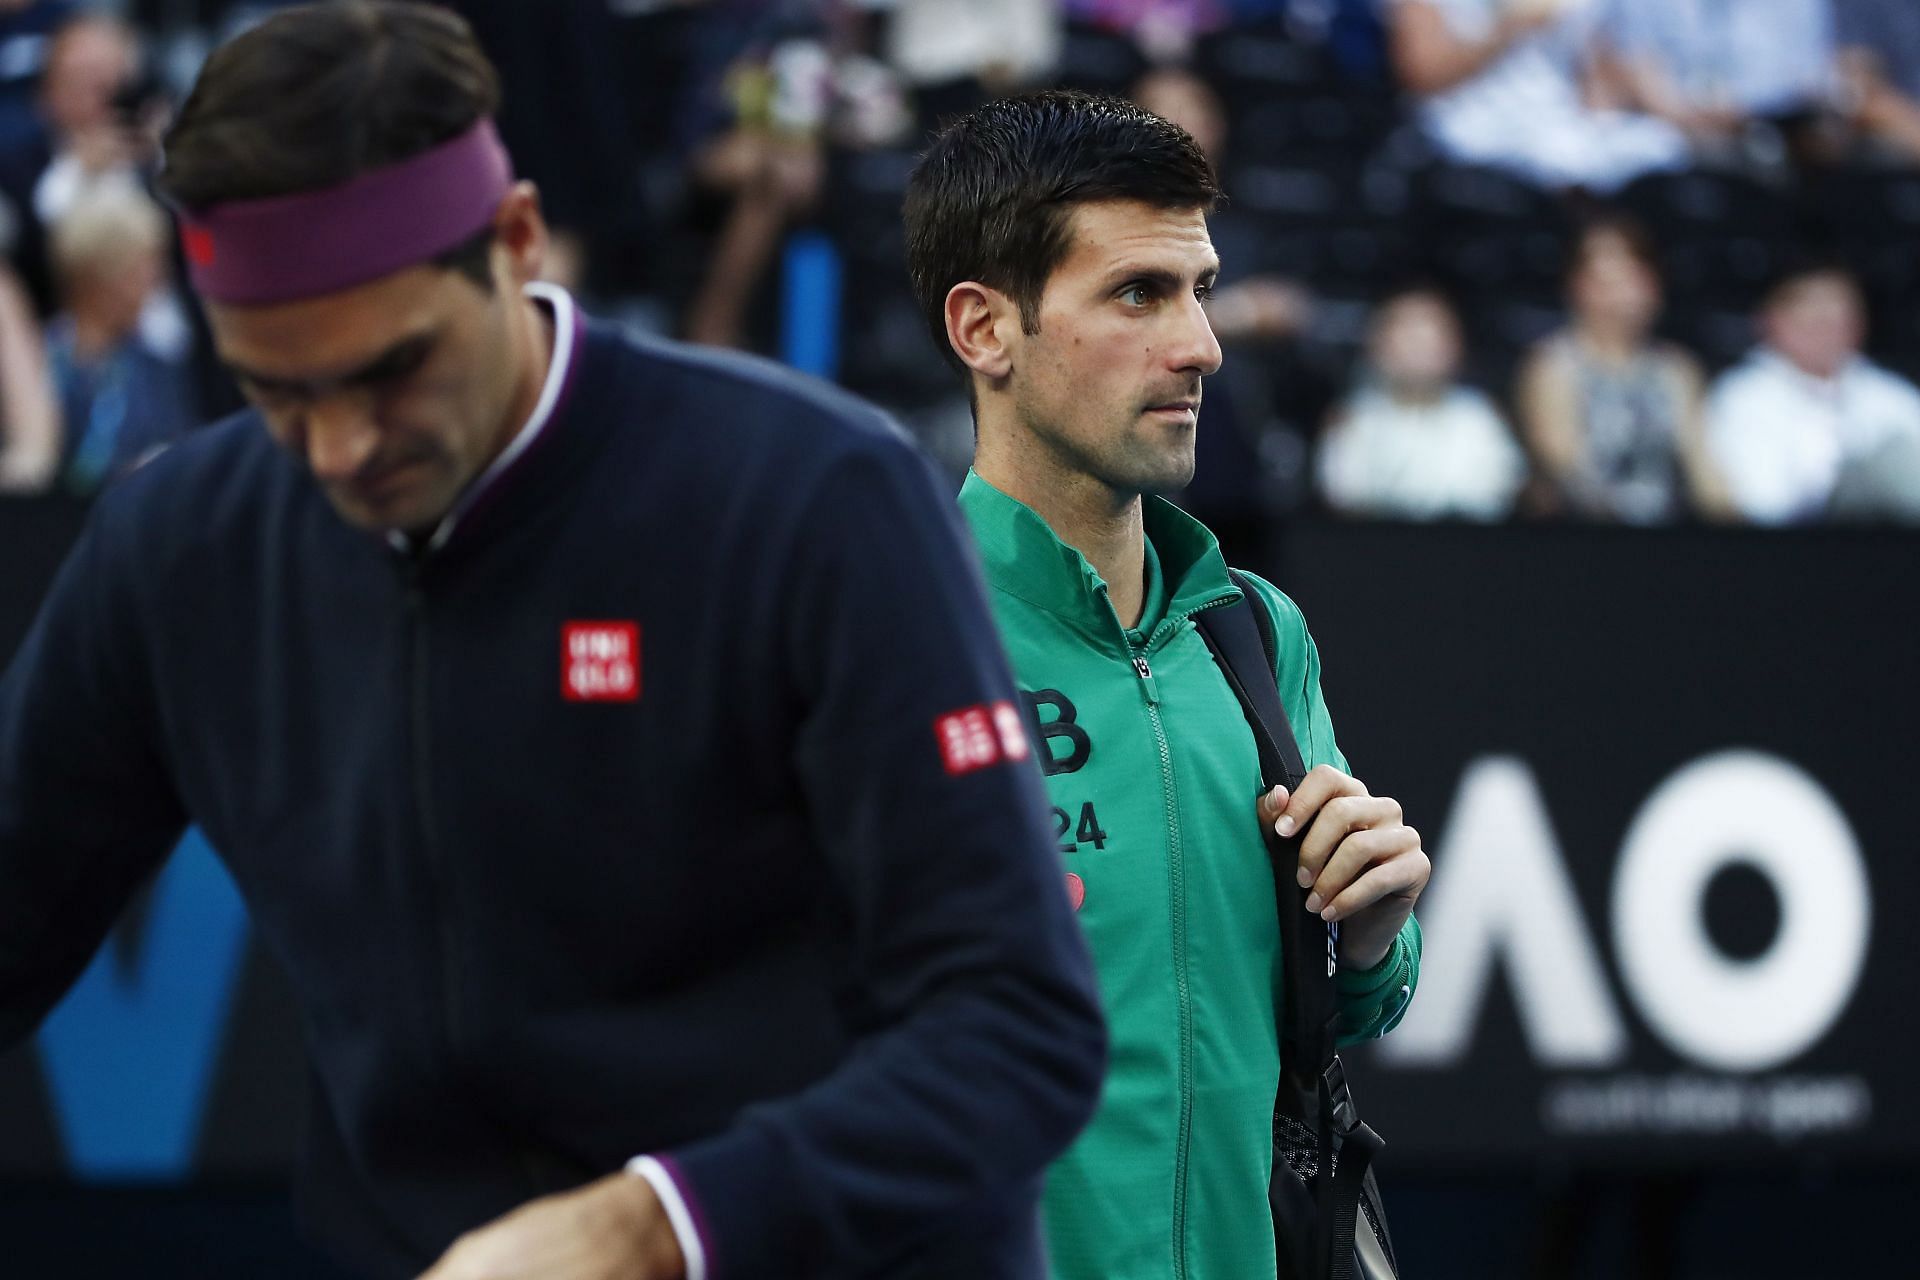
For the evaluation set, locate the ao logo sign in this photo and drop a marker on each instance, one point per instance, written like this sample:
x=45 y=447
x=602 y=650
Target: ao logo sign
x=1501 y=895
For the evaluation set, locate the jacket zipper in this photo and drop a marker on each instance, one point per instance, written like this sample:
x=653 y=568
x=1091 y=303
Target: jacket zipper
x=1177 y=879
x=440 y=890
x=1177 y=889
x=1177 y=892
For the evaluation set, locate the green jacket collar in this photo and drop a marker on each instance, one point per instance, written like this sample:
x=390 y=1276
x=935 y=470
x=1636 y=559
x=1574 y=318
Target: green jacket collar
x=1024 y=559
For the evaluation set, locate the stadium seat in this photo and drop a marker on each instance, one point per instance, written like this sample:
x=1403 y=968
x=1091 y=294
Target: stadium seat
x=1722 y=237
x=885 y=352
x=1098 y=61
x=1490 y=237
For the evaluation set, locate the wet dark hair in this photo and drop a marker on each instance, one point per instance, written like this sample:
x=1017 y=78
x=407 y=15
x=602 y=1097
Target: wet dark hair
x=319 y=94
x=993 y=197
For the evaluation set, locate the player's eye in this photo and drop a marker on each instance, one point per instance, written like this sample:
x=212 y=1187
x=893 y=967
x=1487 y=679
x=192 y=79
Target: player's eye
x=393 y=372
x=1136 y=295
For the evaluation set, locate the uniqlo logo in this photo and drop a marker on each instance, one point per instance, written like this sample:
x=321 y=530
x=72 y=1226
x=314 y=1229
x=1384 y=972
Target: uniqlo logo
x=600 y=661
x=1013 y=734
x=975 y=737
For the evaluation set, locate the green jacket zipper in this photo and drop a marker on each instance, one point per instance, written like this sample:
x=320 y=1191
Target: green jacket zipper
x=1177 y=882
x=1177 y=893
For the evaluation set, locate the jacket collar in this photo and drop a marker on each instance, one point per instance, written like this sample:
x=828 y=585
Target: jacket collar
x=1024 y=559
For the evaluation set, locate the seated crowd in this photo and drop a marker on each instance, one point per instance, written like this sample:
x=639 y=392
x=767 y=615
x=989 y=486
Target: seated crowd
x=1626 y=261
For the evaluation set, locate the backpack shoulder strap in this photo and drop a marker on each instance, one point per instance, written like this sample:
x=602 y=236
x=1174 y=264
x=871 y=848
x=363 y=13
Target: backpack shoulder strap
x=1242 y=640
x=1241 y=637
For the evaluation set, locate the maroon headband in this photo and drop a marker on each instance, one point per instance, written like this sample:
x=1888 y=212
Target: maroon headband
x=284 y=248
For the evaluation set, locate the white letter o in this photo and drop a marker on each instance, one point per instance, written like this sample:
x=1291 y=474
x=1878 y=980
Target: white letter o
x=1725 y=1013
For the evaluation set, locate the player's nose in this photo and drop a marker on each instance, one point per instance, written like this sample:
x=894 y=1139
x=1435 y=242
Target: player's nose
x=341 y=437
x=1197 y=350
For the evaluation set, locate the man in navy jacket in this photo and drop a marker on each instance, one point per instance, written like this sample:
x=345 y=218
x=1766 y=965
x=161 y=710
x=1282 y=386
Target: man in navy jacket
x=609 y=738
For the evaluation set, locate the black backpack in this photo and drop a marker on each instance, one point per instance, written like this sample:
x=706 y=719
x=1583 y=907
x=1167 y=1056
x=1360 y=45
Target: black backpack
x=1325 y=1227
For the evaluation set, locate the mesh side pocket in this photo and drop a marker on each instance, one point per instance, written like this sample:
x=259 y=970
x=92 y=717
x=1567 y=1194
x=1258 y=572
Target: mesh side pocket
x=1298 y=1146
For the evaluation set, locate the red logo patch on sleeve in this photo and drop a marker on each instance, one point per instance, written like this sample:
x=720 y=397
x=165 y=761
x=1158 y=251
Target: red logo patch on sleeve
x=975 y=737
x=600 y=661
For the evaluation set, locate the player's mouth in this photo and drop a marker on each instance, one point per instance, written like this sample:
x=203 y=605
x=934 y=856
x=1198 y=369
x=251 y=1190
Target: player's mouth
x=1177 y=410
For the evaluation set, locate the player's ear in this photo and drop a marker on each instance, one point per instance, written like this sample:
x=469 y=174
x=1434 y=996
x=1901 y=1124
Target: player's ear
x=983 y=325
x=520 y=231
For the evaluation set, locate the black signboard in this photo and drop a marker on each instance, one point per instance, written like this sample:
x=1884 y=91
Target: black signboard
x=1664 y=778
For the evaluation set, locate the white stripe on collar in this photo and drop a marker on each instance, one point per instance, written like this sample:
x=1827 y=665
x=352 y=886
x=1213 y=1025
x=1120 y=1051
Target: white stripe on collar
x=561 y=304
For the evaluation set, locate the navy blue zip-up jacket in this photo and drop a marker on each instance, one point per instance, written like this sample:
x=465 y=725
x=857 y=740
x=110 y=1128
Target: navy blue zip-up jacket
x=777 y=919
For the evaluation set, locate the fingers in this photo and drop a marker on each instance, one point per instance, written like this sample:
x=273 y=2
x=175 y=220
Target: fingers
x=1315 y=790
x=1400 y=876
x=1357 y=849
x=1339 y=818
x=1272 y=805
x=1356 y=853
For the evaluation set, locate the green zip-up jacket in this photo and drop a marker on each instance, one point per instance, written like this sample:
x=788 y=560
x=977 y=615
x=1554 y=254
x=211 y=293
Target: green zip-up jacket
x=1153 y=777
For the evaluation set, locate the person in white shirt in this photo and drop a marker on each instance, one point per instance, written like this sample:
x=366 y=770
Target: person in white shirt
x=1807 y=424
x=1411 y=443
x=1003 y=43
x=1510 y=84
x=1710 y=66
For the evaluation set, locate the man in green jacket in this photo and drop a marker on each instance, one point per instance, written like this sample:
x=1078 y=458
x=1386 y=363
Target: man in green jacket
x=1059 y=247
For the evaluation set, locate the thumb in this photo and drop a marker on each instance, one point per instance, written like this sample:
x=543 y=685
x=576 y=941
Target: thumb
x=1273 y=804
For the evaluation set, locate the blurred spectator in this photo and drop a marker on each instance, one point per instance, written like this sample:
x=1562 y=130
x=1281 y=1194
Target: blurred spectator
x=1879 y=63
x=800 y=78
x=119 y=399
x=29 y=419
x=1245 y=305
x=1613 y=417
x=1411 y=443
x=103 y=120
x=763 y=160
x=1509 y=84
x=1710 y=66
x=1248 y=465
x=1165 y=30
x=1351 y=30
x=1807 y=427
x=955 y=55
x=61 y=66
x=25 y=26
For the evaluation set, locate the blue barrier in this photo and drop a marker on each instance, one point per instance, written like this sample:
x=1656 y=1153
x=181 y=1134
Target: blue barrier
x=810 y=305
x=129 y=1055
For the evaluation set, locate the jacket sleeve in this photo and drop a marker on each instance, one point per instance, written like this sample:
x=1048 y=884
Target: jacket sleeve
x=86 y=807
x=1372 y=1001
x=989 y=1048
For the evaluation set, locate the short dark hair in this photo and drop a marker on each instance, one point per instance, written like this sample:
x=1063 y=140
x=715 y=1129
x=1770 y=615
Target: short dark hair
x=1801 y=270
x=992 y=198
x=1632 y=234
x=319 y=94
